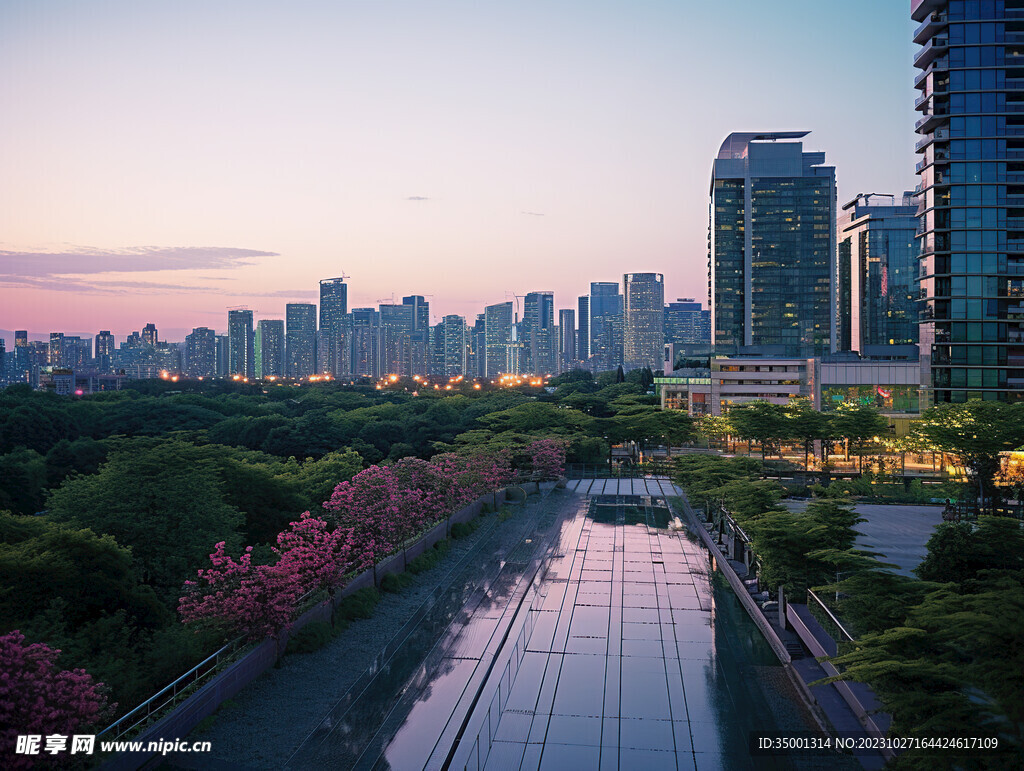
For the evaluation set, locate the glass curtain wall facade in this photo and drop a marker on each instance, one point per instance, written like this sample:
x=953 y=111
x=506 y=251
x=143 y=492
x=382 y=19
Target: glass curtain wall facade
x=605 y=326
x=687 y=323
x=537 y=334
x=270 y=348
x=454 y=332
x=772 y=247
x=878 y=251
x=300 y=339
x=643 y=336
x=334 y=343
x=241 y=358
x=567 y=340
x=971 y=198
x=498 y=339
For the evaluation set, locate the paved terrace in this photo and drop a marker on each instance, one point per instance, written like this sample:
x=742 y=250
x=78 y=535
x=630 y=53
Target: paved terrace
x=626 y=653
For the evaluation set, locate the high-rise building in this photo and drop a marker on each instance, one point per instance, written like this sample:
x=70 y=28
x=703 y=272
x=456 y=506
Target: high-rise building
x=583 y=331
x=498 y=339
x=397 y=323
x=300 y=339
x=104 y=348
x=366 y=355
x=687 y=323
x=334 y=338
x=537 y=334
x=54 y=351
x=270 y=348
x=201 y=353
x=223 y=348
x=75 y=353
x=568 y=358
x=605 y=327
x=877 y=290
x=772 y=247
x=241 y=356
x=454 y=332
x=478 y=347
x=149 y=335
x=970 y=198
x=643 y=331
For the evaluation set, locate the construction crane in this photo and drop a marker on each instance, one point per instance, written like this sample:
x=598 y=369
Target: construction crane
x=342 y=277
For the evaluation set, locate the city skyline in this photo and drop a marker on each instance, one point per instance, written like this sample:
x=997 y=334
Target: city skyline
x=239 y=177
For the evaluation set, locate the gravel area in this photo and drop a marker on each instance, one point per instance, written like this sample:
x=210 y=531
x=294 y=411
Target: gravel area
x=267 y=721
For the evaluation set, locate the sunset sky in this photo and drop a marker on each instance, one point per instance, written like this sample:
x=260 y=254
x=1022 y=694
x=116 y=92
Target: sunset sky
x=160 y=162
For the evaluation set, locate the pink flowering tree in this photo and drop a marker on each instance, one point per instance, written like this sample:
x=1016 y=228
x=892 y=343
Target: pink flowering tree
x=237 y=597
x=320 y=557
x=547 y=458
x=37 y=697
x=368 y=504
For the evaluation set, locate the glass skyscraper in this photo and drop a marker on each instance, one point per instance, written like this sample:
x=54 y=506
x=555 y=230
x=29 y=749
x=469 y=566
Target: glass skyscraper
x=537 y=330
x=687 y=322
x=605 y=326
x=241 y=358
x=643 y=336
x=334 y=338
x=971 y=198
x=300 y=340
x=498 y=338
x=878 y=250
x=772 y=247
x=270 y=348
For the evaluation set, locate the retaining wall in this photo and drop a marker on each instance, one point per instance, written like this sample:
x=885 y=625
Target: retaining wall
x=236 y=676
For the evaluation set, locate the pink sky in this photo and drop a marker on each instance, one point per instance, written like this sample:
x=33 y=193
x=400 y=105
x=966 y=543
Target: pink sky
x=162 y=162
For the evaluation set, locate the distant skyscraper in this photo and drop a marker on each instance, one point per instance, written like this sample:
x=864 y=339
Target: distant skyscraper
x=454 y=345
x=223 y=349
x=397 y=323
x=201 y=353
x=75 y=353
x=300 y=339
x=583 y=331
x=104 y=350
x=687 y=323
x=877 y=294
x=537 y=331
x=54 y=351
x=270 y=348
x=772 y=247
x=567 y=339
x=498 y=336
x=334 y=339
x=366 y=355
x=149 y=335
x=970 y=199
x=478 y=346
x=643 y=335
x=241 y=354
x=605 y=326
x=419 y=338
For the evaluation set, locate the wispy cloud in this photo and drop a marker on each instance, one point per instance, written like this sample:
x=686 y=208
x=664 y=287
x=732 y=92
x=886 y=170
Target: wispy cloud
x=22 y=266
x=417 y=198
x=533 y=213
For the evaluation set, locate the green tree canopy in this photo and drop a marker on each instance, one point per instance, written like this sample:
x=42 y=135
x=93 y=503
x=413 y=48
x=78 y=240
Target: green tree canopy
x=976 y=432
x=164 y=501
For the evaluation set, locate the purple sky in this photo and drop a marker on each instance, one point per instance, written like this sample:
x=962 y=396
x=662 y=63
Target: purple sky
x=160 y=162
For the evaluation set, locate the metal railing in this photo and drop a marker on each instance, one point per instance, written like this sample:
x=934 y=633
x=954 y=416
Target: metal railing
x=184 y=685
x=814 y=602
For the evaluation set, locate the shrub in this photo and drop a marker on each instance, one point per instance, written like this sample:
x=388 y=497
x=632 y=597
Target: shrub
x=395 y=582
x=313 y=636
x=463 y=529
x=359 y=604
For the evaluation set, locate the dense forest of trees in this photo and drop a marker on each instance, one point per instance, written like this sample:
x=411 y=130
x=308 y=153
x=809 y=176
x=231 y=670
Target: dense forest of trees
x=109 y=503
